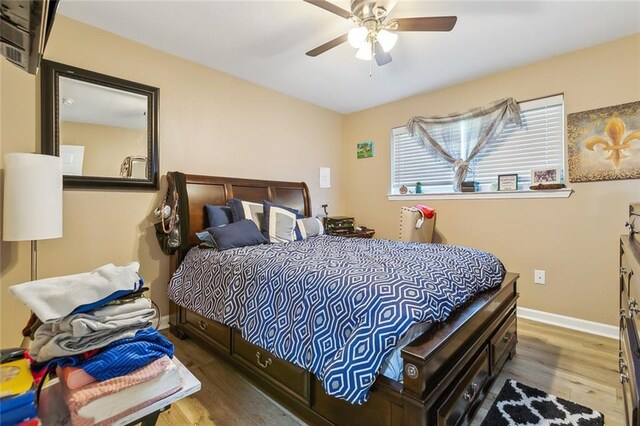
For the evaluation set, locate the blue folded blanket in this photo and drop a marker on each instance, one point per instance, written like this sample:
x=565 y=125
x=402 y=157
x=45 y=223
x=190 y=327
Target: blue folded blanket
x=120 y=357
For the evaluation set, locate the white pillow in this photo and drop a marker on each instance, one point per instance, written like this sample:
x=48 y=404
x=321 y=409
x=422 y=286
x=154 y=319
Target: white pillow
x=282 y=224
x=310 y=227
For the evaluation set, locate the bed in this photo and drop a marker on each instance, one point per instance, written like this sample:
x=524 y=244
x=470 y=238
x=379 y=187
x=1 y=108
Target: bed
x=447 y=369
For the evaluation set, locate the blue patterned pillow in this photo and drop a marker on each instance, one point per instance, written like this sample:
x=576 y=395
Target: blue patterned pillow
x=246 y=210
x=279 y=223
x=237 y=234
x=218 y=215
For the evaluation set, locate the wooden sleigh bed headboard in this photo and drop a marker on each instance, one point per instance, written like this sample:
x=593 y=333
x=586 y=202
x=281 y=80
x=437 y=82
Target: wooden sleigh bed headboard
x=217 y=190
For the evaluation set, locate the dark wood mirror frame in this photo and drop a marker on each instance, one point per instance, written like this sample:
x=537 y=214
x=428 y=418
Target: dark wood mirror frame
x=50 y=72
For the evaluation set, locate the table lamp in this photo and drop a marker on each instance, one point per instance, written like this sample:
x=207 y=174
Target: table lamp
x=32 y=200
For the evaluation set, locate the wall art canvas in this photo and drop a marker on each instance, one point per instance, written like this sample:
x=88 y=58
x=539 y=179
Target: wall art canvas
x=604 y=143
x=364 y=149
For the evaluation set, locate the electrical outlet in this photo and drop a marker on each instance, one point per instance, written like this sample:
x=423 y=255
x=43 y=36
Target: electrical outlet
x=539 y=276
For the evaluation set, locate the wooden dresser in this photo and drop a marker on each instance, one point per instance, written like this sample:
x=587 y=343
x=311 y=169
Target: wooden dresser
x=629 y=353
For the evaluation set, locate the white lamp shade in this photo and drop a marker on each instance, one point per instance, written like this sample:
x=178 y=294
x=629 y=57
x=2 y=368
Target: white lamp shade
x=364 y=52
x=358 y=36
x=32 y=197
x=387 y=39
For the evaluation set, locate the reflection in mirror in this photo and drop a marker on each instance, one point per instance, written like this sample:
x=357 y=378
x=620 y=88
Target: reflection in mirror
x=104 y=128
x=133 y=167
x=99 y=126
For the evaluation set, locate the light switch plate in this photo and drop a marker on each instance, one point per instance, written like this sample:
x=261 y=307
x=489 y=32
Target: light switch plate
x=325 y=177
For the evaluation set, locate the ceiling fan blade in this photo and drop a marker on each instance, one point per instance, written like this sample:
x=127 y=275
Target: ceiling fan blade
x=328 y=45
x=381 y=57
x=330 y=7
x=432 y=23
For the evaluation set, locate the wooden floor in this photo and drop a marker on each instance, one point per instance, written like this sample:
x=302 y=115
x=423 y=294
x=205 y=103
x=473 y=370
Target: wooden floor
x=569 y=364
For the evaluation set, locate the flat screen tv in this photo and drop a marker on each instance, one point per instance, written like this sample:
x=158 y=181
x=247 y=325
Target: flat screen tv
x=24 y=29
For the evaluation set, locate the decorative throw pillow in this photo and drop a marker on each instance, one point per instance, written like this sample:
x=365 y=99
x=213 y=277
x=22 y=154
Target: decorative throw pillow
x=297 y=230
x=279 y=222
x=246 y=210
x=310 y=227
x=237 y=234
x=206 y=240
x=218 y=215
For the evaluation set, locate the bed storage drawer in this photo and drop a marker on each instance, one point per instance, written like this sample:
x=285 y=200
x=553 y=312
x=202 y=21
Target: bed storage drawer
x=287 y=377
x=467 y=392
x=210 y=330
x=503 y=342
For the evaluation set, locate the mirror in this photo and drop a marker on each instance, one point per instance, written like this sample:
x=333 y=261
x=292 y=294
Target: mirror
x=103 y=127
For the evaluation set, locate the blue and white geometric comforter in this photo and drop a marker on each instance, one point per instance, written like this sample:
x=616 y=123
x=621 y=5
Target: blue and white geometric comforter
x=331 y=305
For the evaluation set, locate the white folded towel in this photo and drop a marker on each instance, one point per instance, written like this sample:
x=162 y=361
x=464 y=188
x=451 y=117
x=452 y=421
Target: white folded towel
x=52 y=299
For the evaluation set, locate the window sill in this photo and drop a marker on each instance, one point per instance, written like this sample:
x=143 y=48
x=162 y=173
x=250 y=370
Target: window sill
x=485 y=195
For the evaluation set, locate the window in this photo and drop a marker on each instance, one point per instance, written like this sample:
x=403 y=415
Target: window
x=538 y=144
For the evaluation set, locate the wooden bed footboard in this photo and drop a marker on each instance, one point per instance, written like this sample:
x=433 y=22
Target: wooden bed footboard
x=448 y=370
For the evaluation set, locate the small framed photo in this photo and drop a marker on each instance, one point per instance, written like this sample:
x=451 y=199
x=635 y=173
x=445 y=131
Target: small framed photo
x=364 y=149
x=508 y=182
x=545 y=176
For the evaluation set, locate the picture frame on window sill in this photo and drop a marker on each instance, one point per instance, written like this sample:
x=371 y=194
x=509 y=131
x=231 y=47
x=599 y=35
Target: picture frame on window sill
x=508 y=182
x=546 y=176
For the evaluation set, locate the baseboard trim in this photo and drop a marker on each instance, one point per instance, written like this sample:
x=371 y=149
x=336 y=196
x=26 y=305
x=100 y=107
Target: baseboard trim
x=164 y=322
x=604 y=330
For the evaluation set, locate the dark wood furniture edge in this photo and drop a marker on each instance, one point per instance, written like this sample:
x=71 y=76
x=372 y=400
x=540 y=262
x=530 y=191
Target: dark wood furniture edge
x=468 y=339
x=629 y=343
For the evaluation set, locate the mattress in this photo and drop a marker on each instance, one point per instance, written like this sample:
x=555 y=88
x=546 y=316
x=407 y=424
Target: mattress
x=337 y=307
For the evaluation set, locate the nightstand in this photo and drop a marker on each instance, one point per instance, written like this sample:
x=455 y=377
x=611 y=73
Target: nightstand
x=365 y=233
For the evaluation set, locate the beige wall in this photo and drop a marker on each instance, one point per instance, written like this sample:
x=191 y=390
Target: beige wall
x=210 y=123
x=575 y=240
x=105 y=147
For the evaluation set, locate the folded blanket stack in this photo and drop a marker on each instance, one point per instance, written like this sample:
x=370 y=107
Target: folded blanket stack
x=96 y=328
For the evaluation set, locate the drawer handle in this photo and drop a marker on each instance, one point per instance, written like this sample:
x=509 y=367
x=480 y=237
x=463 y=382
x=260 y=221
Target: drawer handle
x=507 y=337
x=469 y=395
x=264 y=364
x=203 y=325
x=621 y=365
x=624 y=378
x=623 y=271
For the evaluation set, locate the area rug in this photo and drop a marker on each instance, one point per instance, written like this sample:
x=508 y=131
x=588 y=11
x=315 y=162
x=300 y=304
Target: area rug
x=518 y=404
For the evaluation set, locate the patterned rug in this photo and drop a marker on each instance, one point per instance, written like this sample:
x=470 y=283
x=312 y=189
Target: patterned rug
x=518 y=404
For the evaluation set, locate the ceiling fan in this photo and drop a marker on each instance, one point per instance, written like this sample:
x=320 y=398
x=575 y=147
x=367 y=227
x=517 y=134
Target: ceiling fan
x=374 y=36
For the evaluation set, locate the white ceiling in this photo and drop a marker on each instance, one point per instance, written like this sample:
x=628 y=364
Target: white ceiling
x=265 y=41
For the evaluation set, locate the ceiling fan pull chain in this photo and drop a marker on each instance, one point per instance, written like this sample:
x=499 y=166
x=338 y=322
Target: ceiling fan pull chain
x=371 y=61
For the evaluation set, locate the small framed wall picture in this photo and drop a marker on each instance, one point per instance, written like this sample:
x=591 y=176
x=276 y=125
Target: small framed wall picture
x=545 y=176
x=364 y=149
x=508 y=182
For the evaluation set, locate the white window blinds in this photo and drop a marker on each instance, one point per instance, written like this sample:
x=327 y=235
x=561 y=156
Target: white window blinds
x=538 y=144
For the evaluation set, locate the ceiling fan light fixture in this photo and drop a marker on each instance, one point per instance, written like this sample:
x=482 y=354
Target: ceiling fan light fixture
x=387 y=39
x=365 y=52
x=358 y=37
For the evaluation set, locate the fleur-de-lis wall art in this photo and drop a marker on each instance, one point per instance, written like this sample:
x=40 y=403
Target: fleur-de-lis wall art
x=604 y=144
x=617 y=141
